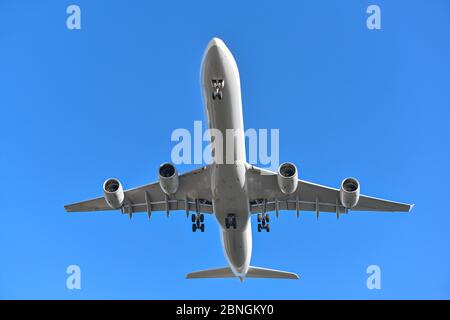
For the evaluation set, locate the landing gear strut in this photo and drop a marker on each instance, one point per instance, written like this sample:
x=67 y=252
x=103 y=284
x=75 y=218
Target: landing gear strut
x=230 y=221
x=217 y=85
x=197 y=222
x=263 y=222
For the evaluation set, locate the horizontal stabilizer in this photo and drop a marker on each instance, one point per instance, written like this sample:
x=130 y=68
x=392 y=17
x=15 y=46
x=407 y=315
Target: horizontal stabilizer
x=255 y=272
x=212 y=273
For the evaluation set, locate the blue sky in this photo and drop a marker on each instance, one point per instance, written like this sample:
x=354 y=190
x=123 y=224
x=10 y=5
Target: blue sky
x=80 y=106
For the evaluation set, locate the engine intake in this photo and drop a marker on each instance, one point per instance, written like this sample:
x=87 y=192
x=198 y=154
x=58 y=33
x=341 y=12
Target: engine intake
x=349 y=193
x=114 y=194
x=287 y=178
x=168 y=178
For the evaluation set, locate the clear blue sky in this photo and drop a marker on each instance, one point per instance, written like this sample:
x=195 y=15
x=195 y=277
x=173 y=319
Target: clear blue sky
x=80 y=106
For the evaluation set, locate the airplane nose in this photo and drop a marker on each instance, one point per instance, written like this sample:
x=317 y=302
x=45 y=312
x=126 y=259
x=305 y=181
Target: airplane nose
x=216 y=43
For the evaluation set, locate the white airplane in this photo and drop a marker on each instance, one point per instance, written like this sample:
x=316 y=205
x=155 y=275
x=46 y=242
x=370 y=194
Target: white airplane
x=235 y=190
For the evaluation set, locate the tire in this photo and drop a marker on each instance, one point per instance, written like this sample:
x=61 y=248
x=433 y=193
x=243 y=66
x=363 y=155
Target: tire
x=193 y=218
x=214 y=95
x=220 y=95
x=194 y=227
x=234 y=224
x=202 y=227
x=259 y=217
x=259 y=227
x=202 y=217
x=267 y=218
x=227 y=224
x=268 y=228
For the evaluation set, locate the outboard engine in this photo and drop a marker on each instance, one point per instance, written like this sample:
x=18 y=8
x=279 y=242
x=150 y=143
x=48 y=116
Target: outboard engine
x=349 y=193
x=114 y=194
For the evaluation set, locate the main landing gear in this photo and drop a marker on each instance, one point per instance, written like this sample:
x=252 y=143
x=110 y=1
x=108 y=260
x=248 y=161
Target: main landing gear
x=263 y=222
x=197 y=222
x=217 y=85
x=230 y=221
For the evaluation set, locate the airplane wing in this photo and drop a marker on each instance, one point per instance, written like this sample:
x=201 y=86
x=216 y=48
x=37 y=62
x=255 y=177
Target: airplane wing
x=266 y=196
x=193 y=194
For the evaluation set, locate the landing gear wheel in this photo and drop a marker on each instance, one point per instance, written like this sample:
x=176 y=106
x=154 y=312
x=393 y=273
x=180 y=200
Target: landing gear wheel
x=259 y=227
x=230 y=221
x=202 y=227
x=220 y=95
x=259 y=217
x=194 y=227
x=268 y=227
x=267 y=218
x=202 y=217
x=214 y=95
x=193 y=218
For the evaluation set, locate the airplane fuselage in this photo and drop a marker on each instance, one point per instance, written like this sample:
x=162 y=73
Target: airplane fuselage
x=222 y=98
x=229 y=187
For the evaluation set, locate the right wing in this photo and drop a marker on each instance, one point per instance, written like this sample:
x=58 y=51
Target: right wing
x=265 y=195
x=193 y=194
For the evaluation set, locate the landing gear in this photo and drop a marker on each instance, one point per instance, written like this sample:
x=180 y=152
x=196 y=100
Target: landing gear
x=230 y=221
x=197 y=222
x=263 y=222
x=263 y=218
x=217 y=85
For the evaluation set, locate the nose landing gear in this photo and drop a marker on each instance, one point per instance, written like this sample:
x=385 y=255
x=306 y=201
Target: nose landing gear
x=217 y=85
x=263 y=222
x=197 y=222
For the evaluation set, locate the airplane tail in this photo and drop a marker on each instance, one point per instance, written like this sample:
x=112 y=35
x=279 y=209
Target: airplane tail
x=253 y=272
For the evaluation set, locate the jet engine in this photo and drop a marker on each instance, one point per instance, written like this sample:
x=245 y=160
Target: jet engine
x=168 y=178
x=287 y=178
x=349 y=193
x=114 y=194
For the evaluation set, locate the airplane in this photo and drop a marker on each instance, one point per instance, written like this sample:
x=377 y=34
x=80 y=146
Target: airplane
x=233 y=191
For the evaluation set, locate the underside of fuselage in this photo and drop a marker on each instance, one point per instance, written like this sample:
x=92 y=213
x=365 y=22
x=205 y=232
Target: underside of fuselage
x=222 y=98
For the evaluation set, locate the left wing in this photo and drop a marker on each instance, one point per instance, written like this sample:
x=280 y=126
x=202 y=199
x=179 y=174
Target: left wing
x=193 y=194
x=265 y=196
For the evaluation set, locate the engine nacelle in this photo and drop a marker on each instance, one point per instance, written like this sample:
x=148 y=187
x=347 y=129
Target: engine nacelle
x=113 y=191
x=349 y=193
x=168 y=178
x=287 y=178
